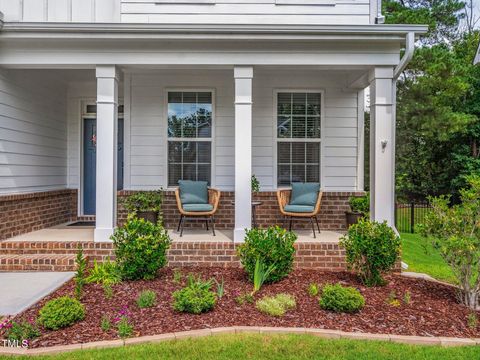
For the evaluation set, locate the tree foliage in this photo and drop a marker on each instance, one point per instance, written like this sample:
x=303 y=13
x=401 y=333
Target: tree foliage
x=438 y=101
x=441 y=16
x=455 y=231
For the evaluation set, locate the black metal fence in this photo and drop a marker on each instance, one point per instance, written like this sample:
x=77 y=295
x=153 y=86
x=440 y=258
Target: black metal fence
x=408 y=215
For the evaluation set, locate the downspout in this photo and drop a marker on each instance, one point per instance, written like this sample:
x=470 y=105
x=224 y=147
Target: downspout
x=407 y=56
x=379 y=19
x=409 y=50
x=1 y=21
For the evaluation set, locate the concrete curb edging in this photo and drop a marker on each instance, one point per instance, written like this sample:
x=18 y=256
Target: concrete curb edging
x=323 y=333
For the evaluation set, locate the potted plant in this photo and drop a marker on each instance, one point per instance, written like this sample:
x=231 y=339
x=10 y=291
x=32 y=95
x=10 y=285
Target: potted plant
x=359 y=208
x=145 y=205
x=255 y=184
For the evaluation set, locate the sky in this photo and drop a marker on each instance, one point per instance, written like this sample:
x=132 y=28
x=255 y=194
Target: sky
x=476 y=4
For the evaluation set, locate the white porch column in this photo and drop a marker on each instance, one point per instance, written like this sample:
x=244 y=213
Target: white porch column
x=382 y=145
x=106 y=186
x=243 y=150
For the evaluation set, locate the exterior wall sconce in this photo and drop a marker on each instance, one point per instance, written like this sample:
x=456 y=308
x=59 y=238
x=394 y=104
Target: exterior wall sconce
x=384 y=145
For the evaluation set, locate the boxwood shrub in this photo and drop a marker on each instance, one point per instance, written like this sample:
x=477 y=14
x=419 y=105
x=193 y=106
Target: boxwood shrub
x=273 y=246
x=140 y=248
x=61 y=312
x=341 y=299
x=372 y=248
x=196 y=297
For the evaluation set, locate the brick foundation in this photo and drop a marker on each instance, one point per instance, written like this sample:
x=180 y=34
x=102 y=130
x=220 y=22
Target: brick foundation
x=29 y=212
x=59 y=256
x=332 y=213
x=23 y=213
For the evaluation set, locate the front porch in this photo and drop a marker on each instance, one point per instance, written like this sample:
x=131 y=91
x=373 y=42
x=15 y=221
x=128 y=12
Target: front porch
x=54 y=249
x=85 y=131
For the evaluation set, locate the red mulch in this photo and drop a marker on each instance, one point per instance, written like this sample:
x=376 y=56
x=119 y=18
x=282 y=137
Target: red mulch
x=432 y=311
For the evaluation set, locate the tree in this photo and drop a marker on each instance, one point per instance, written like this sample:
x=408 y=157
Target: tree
x=442 y=16
x=455 y=232
x=438 y=101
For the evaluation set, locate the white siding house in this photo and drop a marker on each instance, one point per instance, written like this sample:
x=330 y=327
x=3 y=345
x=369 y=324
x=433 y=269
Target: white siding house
x=276 y=88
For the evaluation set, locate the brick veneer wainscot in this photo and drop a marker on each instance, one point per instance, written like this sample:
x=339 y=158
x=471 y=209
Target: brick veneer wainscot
x=23 y=213
x=21 y=256
x=332 y=213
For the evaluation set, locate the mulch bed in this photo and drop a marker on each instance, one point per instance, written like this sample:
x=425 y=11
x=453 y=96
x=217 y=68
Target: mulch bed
x=432 y=311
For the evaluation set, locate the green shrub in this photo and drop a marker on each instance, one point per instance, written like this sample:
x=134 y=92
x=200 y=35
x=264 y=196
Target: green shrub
x=313 y=289
x=23 y=330
x=276 y=305
x=472 y=321
x=360 y=204
x=105 y=273
x=273 y=246
x=105 y=324
x=372 y=248
x=146 y=299
x=177 y=276
x=196 y=297
x=124 y=328
x=144 y=201
x=341 y=299
x=140 y=248
x=244 y=298
x=61 y=312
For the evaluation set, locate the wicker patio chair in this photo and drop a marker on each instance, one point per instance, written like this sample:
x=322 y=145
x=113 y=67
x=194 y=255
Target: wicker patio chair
x=283 y=197
x=198 y=212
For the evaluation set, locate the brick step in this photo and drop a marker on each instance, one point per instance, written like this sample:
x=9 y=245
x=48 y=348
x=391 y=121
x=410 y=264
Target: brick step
x=37 y=262
x=55 y=248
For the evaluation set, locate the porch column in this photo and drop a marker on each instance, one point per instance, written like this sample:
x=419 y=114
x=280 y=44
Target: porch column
x=382 y=145
x=106 y=182
x=243 y=150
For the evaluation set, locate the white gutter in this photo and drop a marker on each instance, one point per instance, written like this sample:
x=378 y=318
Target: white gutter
x=409 y=50
x=124 y=28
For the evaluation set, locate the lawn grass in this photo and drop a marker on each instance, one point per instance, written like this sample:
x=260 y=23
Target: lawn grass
x=275 y=347
x=421 y=257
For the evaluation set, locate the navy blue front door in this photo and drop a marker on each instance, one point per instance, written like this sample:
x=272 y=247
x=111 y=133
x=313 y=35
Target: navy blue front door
x=90 y=163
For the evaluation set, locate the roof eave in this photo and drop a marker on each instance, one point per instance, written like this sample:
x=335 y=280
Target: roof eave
x=126 y=30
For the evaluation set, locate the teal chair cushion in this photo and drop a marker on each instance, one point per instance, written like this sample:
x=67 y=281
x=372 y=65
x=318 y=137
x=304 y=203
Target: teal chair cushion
x=299 y=208
x=197 y=207
x=193 y=192
x=304 y=194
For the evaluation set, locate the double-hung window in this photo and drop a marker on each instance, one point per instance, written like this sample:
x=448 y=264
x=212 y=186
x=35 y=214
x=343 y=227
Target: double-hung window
x=189 y=136
x=298 y=137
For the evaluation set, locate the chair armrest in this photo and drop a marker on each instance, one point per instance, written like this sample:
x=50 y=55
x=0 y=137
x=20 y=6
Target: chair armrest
x=179 y=202
x=318 y=204
x=214 y=198
x=283 y=197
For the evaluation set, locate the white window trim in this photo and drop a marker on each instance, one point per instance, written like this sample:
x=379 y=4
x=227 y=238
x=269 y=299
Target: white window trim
x=211 y=139
x=276 y=140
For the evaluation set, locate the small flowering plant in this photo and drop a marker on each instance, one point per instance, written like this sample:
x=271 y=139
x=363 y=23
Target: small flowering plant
x=21 y=331
x=6 y=324
x=124 y=327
